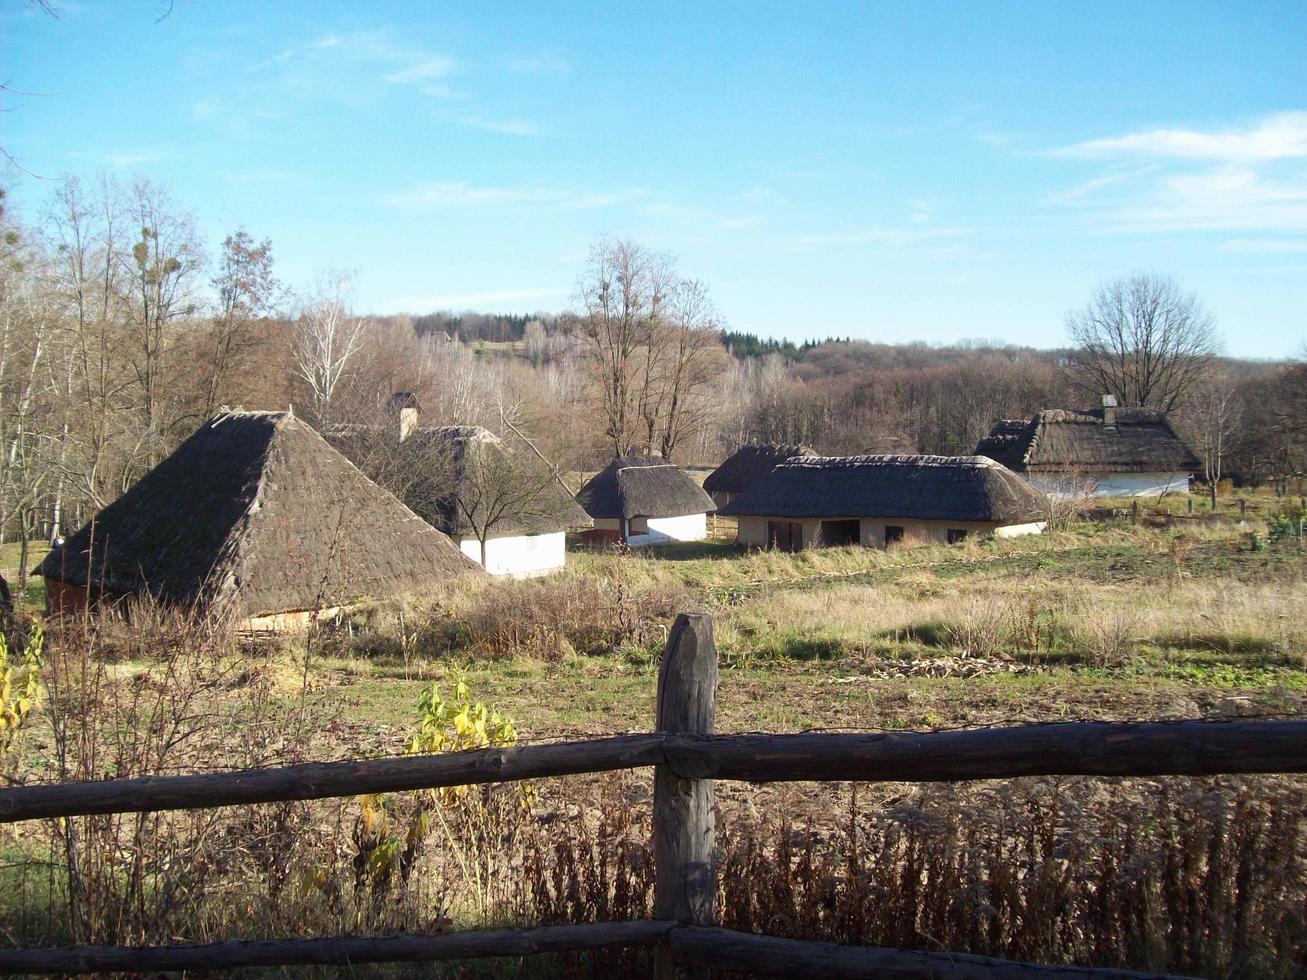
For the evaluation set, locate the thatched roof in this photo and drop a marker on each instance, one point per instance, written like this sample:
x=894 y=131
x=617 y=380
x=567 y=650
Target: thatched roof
x=256 y=514
x=401 y=400
x=643 y=486
x=513 y=494
x=942 y=488
x=748 y=464
x=1138 y=440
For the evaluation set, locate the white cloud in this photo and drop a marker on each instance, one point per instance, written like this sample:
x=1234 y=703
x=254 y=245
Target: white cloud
x=1265 y=246
x=437 y=195
x=1242 y=178
x=1281 y=136
x=1084 y=190
x=1222 y=200
x=510 y=127
x=422 y=71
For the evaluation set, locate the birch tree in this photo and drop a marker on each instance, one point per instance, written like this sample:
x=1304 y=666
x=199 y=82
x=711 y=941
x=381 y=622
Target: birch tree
x=327 y=336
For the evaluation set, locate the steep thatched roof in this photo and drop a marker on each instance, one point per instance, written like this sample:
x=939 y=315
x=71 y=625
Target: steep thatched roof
x=256 y=514
x=749 y=463
x=943 y=488
x=643 y=486
x=1137 y=440
x=468 y=480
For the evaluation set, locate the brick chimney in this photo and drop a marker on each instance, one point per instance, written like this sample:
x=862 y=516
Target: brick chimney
x=1109 y=409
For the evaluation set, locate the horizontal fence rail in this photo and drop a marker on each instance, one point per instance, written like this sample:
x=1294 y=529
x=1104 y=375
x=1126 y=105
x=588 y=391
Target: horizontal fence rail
x=722 y=949
x=687 y=757
x=333 y=951
x=1180 y=748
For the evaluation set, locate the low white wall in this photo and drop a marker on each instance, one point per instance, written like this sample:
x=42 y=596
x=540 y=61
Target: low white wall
x=520 y=556
x=1111 y=484
x=752 y=531
x=687 y=527
x=1020 y=530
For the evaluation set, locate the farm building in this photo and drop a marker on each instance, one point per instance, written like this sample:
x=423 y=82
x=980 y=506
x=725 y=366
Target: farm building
x=256 y=518
x=470 y=488
x=745 y=467
x=1105 y=452
x=506 y=511
x=643 y=500
x=878 y=501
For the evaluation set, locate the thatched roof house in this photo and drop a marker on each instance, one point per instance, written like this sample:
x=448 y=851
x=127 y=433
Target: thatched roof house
x=645 y=500
x=506 y=510
x=1108 y=451
x=537 y=504
x=881 y=500
x=746 y=466
x=257 y=518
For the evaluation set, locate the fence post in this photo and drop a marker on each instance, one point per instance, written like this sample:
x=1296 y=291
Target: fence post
x=685 y=881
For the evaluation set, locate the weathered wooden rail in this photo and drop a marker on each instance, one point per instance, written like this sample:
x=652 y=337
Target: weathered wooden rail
x=686 y=757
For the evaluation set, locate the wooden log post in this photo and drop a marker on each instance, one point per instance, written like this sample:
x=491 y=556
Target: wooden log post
x=685 y=882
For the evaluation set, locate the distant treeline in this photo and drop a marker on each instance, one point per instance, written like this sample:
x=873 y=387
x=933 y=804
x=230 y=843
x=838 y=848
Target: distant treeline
x=470 y=327
x=749 y=345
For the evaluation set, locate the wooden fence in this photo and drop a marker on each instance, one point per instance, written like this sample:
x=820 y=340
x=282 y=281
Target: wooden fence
x=687 y=756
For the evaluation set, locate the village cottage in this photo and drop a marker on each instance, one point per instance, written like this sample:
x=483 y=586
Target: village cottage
x=643 y=500
x=509 y=515
x=743 y=468
x=1105 y=452
x=883 y=501
x=506 y=510
x=257 y=519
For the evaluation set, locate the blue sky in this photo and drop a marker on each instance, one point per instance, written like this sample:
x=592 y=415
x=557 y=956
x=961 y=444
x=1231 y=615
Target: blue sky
x=890 y=171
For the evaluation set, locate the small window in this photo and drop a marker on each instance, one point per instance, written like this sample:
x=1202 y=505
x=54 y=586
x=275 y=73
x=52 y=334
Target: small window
x=893 y=534
x=956 y=535
x=638 y=525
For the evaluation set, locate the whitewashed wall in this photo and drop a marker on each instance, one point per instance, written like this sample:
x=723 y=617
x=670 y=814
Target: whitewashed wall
x=687 y=527
x=520 y=556
x=1114 y=484
x=752 y=531
x=1020 y=530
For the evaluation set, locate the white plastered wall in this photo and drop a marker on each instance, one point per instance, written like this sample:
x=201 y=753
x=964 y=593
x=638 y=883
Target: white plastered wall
x=519 y=556
x=1111 y=484
x=658 y=530
x=752 y=531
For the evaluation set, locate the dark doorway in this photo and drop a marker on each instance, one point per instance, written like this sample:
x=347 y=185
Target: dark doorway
x=840 y=534
x=785 y=535
x=893 y=534
x=956 y=535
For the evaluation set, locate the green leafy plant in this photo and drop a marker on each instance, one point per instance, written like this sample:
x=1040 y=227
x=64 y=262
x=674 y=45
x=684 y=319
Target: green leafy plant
x=20 y=689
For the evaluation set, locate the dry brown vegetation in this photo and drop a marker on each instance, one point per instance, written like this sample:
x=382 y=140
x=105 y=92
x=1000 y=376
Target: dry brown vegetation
x=1199 y=876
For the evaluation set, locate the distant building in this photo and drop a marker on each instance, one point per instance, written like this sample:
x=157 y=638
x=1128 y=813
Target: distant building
x=643 y=500
x=463 y=481
x=255 y=518
x=468 y=485
x=881 y=501
x=1105 y=452
x=745 y=467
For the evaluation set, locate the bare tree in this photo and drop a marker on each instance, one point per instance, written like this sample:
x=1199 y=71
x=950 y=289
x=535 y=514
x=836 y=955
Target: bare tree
x=1143 y=340
x=1214 y=413
x=652 y=343
x=621 y=297
x=327 y=336
x=247 y=290
x=695 y=359
x=161 y=270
